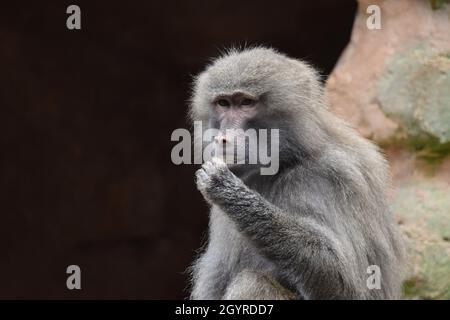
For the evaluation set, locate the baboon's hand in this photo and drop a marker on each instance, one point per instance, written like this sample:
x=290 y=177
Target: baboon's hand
x=215 y=180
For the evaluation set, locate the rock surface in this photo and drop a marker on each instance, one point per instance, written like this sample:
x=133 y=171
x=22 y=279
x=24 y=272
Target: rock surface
x=415 y=91
x=393 y=85
x=367 y=80
x=421 y=203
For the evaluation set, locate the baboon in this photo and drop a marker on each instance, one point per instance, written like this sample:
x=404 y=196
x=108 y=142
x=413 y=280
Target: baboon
x=311 y=230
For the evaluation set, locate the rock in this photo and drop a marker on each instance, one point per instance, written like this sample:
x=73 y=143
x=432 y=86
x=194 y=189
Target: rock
x=423 y=209
x=365 y=88
x=415 y=91
x=421 y=204
x=393 y=85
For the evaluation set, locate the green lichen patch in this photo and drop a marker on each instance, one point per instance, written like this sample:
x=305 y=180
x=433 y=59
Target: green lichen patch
x=430 y=149
x=414 y=91
x=424 y=209
x=437 y=4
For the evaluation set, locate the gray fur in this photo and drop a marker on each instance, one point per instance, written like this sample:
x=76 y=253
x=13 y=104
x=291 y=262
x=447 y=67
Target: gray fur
x=313 y=228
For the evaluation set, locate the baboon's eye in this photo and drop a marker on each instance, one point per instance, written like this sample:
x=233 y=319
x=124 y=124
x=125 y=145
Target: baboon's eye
x=223 y=103
x=247 y=102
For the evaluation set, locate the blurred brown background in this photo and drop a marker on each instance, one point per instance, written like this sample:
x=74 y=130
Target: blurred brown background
x=85 y=124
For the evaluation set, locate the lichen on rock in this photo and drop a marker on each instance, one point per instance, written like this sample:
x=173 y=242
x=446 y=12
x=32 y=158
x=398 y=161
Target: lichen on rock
x=393 y=85
x=423 y=208
x=415 y=91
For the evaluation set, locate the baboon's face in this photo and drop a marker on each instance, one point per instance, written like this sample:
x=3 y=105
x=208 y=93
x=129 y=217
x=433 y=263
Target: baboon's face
x=232 y=115
x=244 y=97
